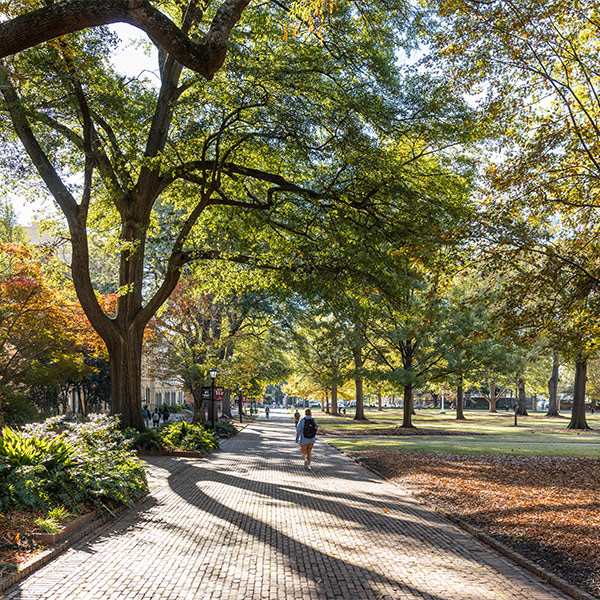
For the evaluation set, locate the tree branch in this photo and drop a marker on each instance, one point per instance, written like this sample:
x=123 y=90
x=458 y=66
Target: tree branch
x=49 y=22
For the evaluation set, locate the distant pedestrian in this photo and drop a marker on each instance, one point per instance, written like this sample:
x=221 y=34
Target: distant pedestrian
x=267 y=411
x=306 y=435
x=146 y=415
x=296 y=417
x=155 y=417
x=165 y=414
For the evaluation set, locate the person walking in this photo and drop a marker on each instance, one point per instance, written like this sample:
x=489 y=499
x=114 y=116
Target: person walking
x=146 y=415
x=156 y=417
x=306 y=434
x=165 y=414
x=296 y=417
x=267 y=411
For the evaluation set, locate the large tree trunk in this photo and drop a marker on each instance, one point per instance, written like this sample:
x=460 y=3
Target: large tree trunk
x=578 y=420
x=553 y=389
x=122 y=333
x=199 y=408
x=358 y=384
x=408 y=406
x=460 y=415
x=493 y=399
x=334 y=394
x=227 y=403
x=125 y=375
x=521 y=406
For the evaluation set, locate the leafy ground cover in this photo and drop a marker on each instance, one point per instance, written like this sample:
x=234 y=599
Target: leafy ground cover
x=184 y=436
x=545 y=508
x=52 y=472
x=40 y=459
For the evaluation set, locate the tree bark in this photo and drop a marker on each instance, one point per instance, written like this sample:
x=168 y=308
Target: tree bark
x=408 y=407
x=493 y=399
x=125 y=354
x=578 y=420
x=57 y=19
x=553 y=389
x=227 y=403
x=460 y=415
x=334 y=400
x=358 y=384
x=521 y=406
x=199 y=408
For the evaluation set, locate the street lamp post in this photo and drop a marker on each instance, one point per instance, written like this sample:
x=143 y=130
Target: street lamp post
x=213 y=375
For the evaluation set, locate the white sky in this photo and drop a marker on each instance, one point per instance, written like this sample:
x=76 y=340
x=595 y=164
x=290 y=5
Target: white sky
x=130 y=60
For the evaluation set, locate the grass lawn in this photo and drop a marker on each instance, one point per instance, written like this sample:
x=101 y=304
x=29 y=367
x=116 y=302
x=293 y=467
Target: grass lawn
x=467 y=445
x=481 y=433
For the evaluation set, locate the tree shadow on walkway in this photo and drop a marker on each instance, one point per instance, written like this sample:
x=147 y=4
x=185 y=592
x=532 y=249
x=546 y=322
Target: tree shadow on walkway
x=331 y=575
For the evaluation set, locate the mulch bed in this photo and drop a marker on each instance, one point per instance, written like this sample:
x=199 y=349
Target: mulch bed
x=17 y=543
x=545 y=508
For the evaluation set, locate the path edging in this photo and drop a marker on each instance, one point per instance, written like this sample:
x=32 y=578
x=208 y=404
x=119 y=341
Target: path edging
x=554 y=580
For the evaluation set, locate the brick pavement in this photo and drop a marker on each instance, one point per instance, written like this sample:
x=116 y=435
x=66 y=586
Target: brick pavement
x=249 y=523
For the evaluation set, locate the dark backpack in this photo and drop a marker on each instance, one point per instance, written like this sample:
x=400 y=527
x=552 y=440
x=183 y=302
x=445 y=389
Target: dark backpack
x=310 y=427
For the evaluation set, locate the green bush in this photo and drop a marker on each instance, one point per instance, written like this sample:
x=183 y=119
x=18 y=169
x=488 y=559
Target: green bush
x=184 y=436
x=199 y=440
x=62 y=463
x=17 y=409
x=173 y=434
x=148 y=440
x=225 y=429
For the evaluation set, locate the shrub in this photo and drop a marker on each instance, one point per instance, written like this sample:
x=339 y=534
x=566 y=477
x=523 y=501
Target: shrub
x=148 y=440
x=173 y=434
x=17 y=409
x=225 y=429
x=63 y=463
x=188 y=437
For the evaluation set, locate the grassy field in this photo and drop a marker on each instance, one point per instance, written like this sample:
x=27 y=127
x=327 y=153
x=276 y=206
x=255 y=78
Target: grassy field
x=535 y=435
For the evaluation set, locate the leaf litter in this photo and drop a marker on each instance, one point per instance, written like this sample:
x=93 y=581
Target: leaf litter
x=545 y=508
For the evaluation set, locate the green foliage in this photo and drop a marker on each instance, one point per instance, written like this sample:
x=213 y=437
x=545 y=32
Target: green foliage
x=181 y=436
x=148 y=440
x=17 y=409
x=225 y=429
x=31 y=451
x=188 y=437
x=58 y=463
x=52 y=523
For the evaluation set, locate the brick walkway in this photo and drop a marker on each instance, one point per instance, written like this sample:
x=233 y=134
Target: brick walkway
x=248 y=523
